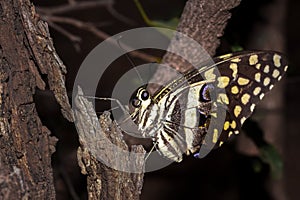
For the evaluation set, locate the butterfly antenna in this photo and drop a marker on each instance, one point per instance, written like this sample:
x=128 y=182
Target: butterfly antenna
x=130 y=60
x=108 y=99
x=114 y=108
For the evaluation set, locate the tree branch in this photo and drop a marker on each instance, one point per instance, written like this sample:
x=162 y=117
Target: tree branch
x=73 y=6
x=114 y=170
x=26 y=52
x=90 y=27
x=204 y=21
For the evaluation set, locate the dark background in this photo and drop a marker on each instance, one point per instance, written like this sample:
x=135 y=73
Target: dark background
x=225 y=173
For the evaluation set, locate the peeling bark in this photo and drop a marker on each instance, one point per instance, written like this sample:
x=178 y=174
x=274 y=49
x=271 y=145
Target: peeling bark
x=26 y=52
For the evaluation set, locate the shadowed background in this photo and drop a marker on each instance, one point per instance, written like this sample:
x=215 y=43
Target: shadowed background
x=226 y=173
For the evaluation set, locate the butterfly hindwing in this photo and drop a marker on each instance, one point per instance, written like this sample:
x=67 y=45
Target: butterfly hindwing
x=246 y=78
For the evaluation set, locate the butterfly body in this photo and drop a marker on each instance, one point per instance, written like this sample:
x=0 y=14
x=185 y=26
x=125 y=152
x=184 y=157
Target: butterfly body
x=182 y=116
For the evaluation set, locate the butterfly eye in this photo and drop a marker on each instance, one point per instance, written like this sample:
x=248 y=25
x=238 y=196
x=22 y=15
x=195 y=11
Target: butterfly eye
x=205 y=93
x=135 y=102
x=144 y=95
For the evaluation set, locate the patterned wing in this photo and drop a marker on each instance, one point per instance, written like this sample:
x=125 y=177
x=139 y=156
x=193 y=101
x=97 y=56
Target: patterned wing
x=246 y=77
x=238 y=80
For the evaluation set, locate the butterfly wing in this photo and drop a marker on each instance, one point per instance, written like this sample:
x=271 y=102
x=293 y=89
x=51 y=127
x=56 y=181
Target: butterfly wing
x=237 y=81
x=246 y=78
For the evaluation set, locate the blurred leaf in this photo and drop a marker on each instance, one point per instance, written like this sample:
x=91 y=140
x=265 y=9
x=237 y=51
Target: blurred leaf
x=270 y=155
x=170 y=24
x=236 y=47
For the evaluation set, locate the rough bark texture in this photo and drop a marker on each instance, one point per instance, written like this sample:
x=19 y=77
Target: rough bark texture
x=112 y=173
x=26 y=52
x=204 y=21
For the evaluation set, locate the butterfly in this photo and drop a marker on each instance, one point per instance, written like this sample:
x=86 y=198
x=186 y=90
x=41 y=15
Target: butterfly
x=206 y=106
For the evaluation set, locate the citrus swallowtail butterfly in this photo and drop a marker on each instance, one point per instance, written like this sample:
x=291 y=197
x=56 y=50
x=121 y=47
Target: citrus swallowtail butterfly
x=178 y=116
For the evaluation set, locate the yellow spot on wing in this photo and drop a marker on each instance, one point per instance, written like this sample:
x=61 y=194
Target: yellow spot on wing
x=267 y=69
x=236 y=60
x=237 y=110
x=285 y=68
x=223 y=81
x=225 y=56
x=234 y=67
x=215 y=136
x=230 y=133
x=233 y=124
x=213 y=114
x=243 y=81
x=276 y=60
x=223 y=98
x=234 y=90
x=253 y=59
x=257 y=77
x=226 y=125
x=256 y=91
x=209 y=74
x=245 y=98
x=258 y=66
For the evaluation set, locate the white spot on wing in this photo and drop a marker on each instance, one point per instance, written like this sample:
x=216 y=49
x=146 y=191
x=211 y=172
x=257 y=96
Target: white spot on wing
x=267 y=69
x=257 y=77
x=275 y=73
x=252 y=107
x=267 y=81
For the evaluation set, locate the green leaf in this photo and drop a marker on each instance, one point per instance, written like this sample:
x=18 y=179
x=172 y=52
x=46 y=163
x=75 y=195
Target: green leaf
x=236 y=47
x=170 y=24
x=270 y=155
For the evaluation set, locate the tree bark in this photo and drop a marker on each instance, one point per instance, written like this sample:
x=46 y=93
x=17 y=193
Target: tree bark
x=26 y=52
x=204 y=21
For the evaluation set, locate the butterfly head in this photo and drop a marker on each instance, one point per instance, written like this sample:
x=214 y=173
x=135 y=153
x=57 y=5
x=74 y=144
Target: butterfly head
x=141 y=99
